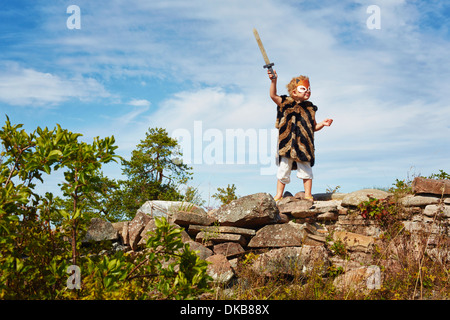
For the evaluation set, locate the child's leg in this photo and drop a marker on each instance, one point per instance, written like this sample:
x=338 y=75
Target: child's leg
x=280 y=190
x=307 y=183
x=304 y=171
x=283 y=176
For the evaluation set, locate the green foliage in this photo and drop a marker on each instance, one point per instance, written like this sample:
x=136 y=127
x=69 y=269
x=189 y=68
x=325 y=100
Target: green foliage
x=338 y=248
x=440 y=176
x=401 y=187
x=226 y=195
x=170 y=267
x=379 y=210
x=154 y=172
x=34 y=256
x=192 y=195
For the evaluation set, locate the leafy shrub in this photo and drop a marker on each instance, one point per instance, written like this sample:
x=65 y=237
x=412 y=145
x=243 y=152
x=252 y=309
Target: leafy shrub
x=35 y=256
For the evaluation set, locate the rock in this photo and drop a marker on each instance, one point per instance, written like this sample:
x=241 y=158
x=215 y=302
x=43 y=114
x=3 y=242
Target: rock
x=418 y=201
x=228 y=249
x=119 y=227
x=250 y=211
x=188 y=218
x=219 y=268
x=202 y=251
x=291 y=260
x=100 y=230
x=440 y=210
x=356 y=197
x=208 y=238
x=328 y=216
x=316 y=229
x=314 y=240
x=151 y=226
x=354 y=241
x=125 y=233
x=324 y=209
x=329 y=196
x=135 y=228
x=325 y=206
x=357 y=224
x=283 y=218
x=194 y=229
x=290 y=204
x=279 y=235
x=423 y=227
x=431 y=186
x=159 y=208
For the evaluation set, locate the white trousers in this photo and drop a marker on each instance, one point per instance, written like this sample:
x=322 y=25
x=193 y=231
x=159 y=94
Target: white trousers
x=304 y=170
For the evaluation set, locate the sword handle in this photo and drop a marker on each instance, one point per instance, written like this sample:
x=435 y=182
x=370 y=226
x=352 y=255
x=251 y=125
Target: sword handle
x=269 y=67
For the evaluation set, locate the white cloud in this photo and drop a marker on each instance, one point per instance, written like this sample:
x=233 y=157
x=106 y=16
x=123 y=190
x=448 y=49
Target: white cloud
x=21 y=86
x=139 y=103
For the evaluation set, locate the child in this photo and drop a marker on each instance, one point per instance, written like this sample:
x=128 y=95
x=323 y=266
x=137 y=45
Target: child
x=296 y=124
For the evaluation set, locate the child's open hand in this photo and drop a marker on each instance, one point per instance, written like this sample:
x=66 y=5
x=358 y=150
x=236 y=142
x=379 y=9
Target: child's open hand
x=327 y=122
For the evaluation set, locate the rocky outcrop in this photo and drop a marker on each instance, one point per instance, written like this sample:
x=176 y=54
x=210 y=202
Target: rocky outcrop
x=293 y=235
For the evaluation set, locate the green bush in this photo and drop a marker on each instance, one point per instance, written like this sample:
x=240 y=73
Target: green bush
x=35 y=255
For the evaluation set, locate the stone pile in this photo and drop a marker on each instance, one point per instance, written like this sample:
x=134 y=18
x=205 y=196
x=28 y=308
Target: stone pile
x=289 y=235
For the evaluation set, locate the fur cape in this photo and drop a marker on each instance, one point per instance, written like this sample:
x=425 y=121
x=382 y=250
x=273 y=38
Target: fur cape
x=295 y=123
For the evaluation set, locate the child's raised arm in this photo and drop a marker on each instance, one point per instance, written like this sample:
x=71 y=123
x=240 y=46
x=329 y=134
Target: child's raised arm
x=273 y=88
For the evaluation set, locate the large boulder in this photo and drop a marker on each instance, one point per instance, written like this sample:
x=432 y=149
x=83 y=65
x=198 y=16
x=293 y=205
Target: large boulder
x=253 y=211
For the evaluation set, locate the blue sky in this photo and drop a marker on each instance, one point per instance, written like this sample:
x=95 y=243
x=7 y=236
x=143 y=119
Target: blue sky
x=173 y=64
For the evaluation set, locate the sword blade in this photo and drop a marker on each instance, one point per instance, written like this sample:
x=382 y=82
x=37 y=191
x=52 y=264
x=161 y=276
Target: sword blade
x=261 y=47
x=264 y=54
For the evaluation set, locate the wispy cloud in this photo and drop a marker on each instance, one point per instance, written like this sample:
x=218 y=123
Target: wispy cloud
x=21 y=86
x=139 y=103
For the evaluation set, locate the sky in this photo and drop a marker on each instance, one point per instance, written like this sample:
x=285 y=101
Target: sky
x=379 y=69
